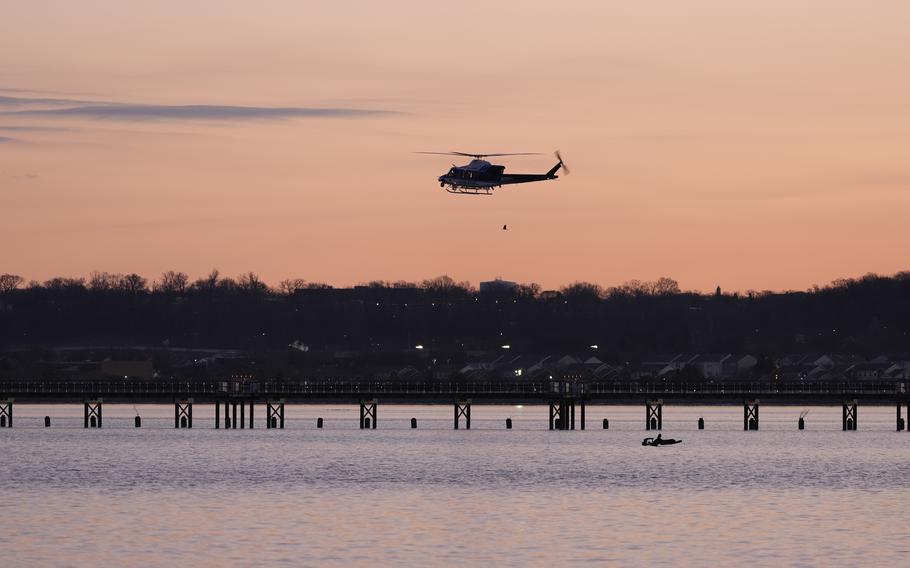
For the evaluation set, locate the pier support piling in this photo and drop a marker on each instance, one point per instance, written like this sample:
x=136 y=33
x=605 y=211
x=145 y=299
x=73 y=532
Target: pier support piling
x=92 y=414
x=849 y=415
x=6 y=413
x=368 y=414
x=274 y=410
x=750 y=414
x=654 y=414
x=463 y=408
x=230 y=413
x=562 y=414
x=183 y=413
x=556 y=414
x=900 y=420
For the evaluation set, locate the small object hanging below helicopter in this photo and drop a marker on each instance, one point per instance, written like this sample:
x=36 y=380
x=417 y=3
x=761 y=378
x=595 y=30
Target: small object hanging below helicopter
x=480 y=177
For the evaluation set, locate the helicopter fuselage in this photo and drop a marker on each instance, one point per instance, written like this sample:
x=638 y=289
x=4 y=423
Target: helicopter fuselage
x=480 y=177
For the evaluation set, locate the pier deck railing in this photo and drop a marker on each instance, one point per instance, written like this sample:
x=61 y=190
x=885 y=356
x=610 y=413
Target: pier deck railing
x=346 y=387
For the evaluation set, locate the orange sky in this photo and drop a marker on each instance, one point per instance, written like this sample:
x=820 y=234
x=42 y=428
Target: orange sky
x=759 y=145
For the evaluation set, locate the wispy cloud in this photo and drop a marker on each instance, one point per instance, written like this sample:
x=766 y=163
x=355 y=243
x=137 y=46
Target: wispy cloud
x=32 y=101
x=194 y=112
x=7 y=139
x=53 y=107
x=18 y=128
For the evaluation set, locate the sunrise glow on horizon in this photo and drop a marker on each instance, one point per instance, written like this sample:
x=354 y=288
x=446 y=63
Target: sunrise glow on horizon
x=742 y=146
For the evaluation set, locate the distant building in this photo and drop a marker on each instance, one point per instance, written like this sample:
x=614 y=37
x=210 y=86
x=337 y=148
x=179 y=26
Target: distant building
x=498 y=286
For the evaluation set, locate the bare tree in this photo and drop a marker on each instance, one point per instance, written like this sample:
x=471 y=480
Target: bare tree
x=9 y=282
x=60 y=283
x=251 y=283
x=133 y=284
x=291 y=285
x=583 y=290
x=207 y=283
x=528 y=290
x=172 y=282
x=103 y=281
x=666 y=287
x=445 y=285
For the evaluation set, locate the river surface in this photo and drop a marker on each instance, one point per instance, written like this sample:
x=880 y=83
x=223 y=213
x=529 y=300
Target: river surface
x=156 y=496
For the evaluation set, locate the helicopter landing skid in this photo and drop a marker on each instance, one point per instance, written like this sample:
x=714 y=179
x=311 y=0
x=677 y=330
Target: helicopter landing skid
x=469 y=190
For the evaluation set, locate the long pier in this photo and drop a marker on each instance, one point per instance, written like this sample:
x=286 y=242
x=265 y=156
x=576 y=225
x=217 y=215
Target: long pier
x=566 y=400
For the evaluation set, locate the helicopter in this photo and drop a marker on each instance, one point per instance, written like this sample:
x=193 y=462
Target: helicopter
x=480 y=177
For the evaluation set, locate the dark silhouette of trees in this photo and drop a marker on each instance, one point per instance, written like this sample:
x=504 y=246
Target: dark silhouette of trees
x=172 y=283
x=866 y=316
x=9 y=282
x=291 y=285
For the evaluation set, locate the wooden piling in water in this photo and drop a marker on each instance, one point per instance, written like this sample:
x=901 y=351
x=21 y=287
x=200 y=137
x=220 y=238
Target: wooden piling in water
x=849 y=415
x=274 y=410
x=183 y=413
x=463 y=408
x=6 y=413
x=92 y=414
x=654 y=414
x=368 y=414
x=750 y=414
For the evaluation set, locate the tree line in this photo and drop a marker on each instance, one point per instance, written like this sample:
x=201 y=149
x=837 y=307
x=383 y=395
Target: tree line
x=865 y=316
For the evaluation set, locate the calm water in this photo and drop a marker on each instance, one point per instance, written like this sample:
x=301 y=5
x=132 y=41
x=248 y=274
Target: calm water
x=433 y=496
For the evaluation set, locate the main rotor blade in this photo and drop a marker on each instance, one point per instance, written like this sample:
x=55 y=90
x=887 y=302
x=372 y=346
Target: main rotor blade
x=469 y=155
x=488 y=155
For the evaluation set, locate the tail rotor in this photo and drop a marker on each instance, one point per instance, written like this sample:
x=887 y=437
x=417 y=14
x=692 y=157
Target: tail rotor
x=565 y=168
